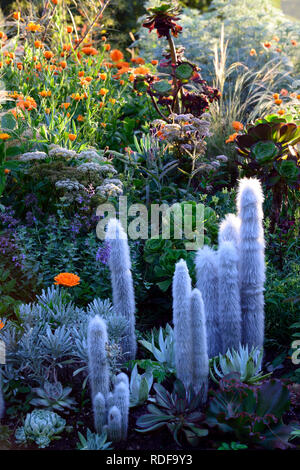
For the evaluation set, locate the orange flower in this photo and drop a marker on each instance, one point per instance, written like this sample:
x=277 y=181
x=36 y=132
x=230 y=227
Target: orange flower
x=76 y=96
x=276 y=38
x=45 y=93
x=20 y=66
x=231 y=138
x=67 y=279
x=4 y=136
x=237 y=126
x=267 y=44
x=55 y=2
x=154 y=62
x=298 y=97
x=284 y=92
x=281 y=112
x=116 y=55
x=112 y=100
x=72 y=137
x=33 y=28
x=103 y=91
x=103 y=38
x=47 y=110
x=103 y=124
x=1 y=325
x=278 y=49
x=65 y=105
x=253 y=52
x=278 y=102
x=103 y=76
x=88 y=79
x=141 y=70
x=276 y=96
x=63 y=64
x=81 y=73
x=80 y=118
x=89 y=50
x=66 y=47
x=17 y=15
x=28 y=103
x=293 y=95
x=131 y=78
x=293 y=42
x=6 y=171
x=107 y=47
x=48 y=55
x=139 y=60
x=122 y=82
x=38 y=44
x=69 y=29
x=101 y=105
x=2 y=35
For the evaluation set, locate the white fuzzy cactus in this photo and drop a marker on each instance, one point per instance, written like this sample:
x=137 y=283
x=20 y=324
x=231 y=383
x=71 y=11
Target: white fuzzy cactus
x=252 y=263
x=230 y=316
x=122 y=283
x=208 y=283
x=99 y=411
x=114 y=424
x=229 y=230
x=200 y=362
x=121 y=401
x=182 y=288
x=97 y=356
x=2 y=405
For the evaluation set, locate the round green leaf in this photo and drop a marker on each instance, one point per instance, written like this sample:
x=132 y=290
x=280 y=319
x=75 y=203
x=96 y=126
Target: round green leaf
x=162 y=87
x=264 y=152
x=184 y=71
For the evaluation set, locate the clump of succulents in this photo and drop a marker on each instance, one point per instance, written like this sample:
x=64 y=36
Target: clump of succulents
x=268 y=151
x=41 y=427
x=253 y=413
x=247 y=363
x=165 y=352
x=178 y=410
x=93 y=441
x=53 y=396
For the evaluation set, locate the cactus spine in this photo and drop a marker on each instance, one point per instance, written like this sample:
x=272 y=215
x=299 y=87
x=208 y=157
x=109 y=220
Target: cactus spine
x=199 y=355
x=99 y=410
x=207 y=283
x=252 y=265
x=182 y=288
x=229 y=297
x=121 y=401
x=122 y=283
x=229 y=230
x=98 y=364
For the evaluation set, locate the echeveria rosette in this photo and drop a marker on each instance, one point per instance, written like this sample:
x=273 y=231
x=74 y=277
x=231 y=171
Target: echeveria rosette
x=268 y=146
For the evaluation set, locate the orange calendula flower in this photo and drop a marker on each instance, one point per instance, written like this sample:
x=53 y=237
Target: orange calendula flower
x=38 y=44
x=103 y=76
x=63 y=64
x=107 y=47
x=103 y=91
x=101 y=104
x=281 y=112
x=1 y=325
x=55 y=2
x=141 y=70
x=231 y=138
x=154 y=62
x=33 y=28
x=65 y=105
x=267 y=44
x=67 y=279
x=20 y=66
x=47 y=110
x=69 y=29
x=89 y=50
x=276 y=38
x=112 y=100
x=4 y=136
x=298 y=97
x=88 y=79
x=28 y=103
x=278 y=102
x=253 y=52
x=81 y=73
x=80 y=118
x=72 y=137
x=293 y=42
x=276 y=96
x=122 y=82
x=6 y=171
x=237 y=126
x=103 y=124
x=45 y=93
x=48 y=55
x=116 y=55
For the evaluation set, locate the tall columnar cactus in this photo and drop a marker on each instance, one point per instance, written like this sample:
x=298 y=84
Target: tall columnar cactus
x=252 y=264
x=97 y=357
x=182 y=288
x=230 y=316
x=121 y=401
x=229 y=230
x=122 y=283
x=200 y=362
x=114 y=424
x=207 y=283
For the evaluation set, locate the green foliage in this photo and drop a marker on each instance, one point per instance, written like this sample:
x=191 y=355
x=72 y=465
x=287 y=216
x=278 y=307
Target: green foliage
x=232 y=446
x=179 y=411
x=41 y=426
x=93 y=441
x=140 y=386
